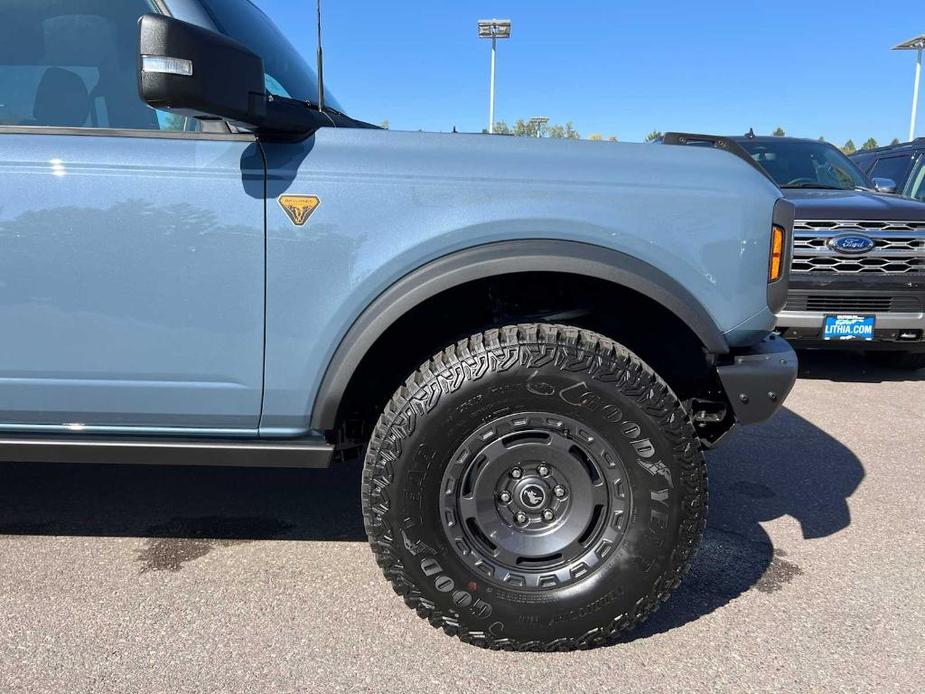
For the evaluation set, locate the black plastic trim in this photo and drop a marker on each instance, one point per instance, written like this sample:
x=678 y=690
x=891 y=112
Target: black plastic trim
x=717 y=142
x=759 y=380
x=883 y=282
x=495 y=259
x=294 y=453
x=848 y=293
x=783 y=216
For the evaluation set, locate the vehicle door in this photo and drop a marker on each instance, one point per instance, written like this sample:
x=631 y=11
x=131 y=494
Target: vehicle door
x=131 y=242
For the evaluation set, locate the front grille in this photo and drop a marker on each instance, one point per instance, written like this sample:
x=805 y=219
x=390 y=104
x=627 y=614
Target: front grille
x=899 y=247
x=847 y=303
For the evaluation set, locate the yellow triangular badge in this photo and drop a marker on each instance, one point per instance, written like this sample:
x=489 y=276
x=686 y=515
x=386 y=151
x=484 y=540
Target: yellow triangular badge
x=299 y=207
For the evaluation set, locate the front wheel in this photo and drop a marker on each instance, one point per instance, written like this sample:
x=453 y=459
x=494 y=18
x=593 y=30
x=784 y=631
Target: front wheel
x=535 y=487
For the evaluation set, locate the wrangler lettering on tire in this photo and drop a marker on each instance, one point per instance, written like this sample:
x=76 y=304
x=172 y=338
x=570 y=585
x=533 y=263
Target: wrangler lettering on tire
x=534 y=487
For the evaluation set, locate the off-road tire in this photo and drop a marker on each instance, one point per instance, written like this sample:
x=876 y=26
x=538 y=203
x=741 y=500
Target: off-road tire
x=903 y=361
x=585 y=379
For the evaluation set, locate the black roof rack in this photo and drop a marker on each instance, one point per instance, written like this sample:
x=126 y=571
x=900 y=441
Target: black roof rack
x=917 y=142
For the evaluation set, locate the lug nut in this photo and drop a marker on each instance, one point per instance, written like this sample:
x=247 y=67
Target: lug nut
x=543 y=470
x=516 y=473
x=505 y=496
x=559 y=491
x=548 y=515
x=520 y=517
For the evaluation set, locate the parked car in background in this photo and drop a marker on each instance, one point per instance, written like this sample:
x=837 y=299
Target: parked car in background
x=529 y=340
x=903 y=163
x=858 y=273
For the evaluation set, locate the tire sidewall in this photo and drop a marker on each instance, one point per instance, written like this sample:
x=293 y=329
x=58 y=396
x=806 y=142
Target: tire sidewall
x=616 y=398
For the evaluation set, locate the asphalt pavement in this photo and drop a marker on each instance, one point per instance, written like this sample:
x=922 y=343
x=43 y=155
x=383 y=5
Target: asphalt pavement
x=134 y=579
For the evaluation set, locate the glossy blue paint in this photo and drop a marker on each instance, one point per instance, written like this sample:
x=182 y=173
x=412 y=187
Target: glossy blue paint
x=131 y=282
x=393 y=201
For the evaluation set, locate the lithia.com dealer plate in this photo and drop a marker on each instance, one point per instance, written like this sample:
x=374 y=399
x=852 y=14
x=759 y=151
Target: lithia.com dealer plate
x=848 y=327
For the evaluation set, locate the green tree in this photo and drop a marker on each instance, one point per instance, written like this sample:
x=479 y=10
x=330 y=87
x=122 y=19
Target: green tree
x=821 y=138
x=564 y=132
x=778 y=132
x=654 y=135
x=384 y=124
x=849 y=148
x=596 y=137
x=870 y=144
x=895 y=141
x=612 y=138
x=502 y=128
x=525 y=128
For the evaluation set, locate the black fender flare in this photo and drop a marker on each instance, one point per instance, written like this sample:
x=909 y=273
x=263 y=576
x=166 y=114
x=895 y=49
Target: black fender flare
x=502 y=258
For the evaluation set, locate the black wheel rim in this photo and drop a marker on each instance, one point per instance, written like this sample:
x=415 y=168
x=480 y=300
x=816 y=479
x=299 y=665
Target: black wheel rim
x=535 y=500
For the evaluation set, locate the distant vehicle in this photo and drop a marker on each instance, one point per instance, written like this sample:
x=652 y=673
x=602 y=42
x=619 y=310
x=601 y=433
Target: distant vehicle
x=903 y=163
x=858 y=274
x=530 y=341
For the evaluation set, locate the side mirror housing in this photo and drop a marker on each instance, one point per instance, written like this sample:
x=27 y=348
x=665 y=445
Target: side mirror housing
x=885 y=185
x=188 y=70
x=191 y=71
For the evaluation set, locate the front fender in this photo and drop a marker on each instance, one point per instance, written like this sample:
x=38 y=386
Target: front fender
x=392 y=202
x=499 y=259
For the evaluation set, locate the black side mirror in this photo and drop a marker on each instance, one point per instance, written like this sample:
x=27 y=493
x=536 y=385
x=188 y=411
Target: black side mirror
x=194 y=72
x=191 y=71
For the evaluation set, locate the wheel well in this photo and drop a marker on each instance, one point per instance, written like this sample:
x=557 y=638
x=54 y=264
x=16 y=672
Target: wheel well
x=643 y=325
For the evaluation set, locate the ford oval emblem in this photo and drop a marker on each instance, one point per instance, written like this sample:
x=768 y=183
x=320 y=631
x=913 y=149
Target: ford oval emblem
x=851 y=244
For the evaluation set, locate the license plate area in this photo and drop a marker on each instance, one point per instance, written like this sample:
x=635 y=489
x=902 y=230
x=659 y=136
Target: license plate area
x=849 y=327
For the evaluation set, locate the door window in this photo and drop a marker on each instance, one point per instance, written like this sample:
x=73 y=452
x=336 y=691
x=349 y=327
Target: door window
x=72 y=63
x=916 y=187
x=894 y=168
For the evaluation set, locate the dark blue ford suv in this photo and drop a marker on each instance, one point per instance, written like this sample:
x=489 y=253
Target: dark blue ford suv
x=858 y=269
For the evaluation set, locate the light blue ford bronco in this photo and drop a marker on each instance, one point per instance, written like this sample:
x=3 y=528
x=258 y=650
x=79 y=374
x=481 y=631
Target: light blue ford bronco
x=530 y=341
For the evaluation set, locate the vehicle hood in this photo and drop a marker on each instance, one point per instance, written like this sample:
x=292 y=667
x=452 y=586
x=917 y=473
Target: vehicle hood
x=853 y=205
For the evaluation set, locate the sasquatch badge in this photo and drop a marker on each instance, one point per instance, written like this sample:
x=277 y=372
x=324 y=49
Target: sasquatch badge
x=299 y=207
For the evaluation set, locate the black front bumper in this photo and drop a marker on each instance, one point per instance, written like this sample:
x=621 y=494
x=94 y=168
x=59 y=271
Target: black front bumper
x=758 y=380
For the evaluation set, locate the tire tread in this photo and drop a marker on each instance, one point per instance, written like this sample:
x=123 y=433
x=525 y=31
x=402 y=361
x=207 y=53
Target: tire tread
x=635 y=380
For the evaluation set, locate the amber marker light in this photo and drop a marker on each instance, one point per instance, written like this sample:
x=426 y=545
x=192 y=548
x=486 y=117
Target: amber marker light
x=777 y=254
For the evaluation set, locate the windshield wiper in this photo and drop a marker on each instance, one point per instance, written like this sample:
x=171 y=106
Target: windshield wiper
x=824 y=186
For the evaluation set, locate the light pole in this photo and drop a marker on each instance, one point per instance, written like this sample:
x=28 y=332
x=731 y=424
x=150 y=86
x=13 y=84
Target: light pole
x=493 y=29
x=537 y=123
x=915 y=44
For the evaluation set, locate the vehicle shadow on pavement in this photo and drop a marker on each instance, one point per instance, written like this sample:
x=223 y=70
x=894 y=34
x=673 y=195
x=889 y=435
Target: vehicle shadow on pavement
x=238 y=504
x=785 y=467
x=850 y=367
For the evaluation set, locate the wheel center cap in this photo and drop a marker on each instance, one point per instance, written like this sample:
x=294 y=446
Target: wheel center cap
x=532 y=496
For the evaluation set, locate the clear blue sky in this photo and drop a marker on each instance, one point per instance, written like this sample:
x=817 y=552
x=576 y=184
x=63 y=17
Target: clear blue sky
x=623 y=67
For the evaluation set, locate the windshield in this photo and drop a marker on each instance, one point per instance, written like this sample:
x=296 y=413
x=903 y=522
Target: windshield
x=802 y=164
x=287 y=73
